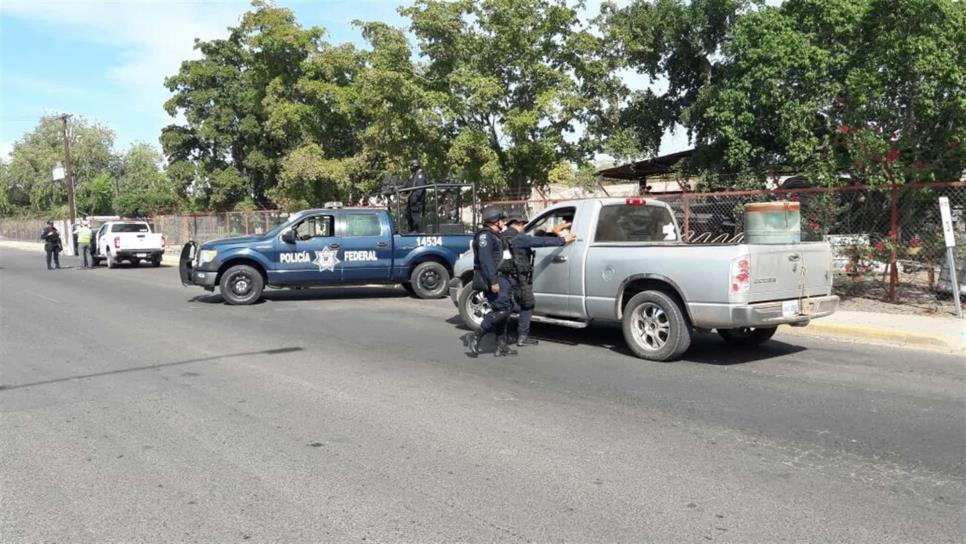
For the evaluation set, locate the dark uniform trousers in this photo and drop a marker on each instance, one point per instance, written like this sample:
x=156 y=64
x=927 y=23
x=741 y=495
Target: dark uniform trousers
x=501 y=305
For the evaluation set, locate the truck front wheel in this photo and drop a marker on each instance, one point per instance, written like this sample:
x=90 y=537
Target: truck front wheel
x=747 y=337
x=472 y=306
x=655 y=327
x=241 y=285
x=429 y=279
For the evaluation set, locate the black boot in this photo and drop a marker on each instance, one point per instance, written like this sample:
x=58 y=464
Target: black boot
x=472 y=342
x=525 y=340
x=503 y=347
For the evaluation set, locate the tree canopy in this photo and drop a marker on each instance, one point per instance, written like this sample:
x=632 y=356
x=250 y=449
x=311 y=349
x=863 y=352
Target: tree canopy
x=840 y=90
x=513 y=94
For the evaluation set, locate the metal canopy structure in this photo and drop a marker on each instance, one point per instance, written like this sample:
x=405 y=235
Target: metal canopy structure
x=639 y=170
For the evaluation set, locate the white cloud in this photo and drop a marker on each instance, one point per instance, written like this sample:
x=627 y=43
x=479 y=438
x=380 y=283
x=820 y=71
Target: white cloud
x=5 y=149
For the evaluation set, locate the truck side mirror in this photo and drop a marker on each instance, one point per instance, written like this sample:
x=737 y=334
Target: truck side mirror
x=289 y=236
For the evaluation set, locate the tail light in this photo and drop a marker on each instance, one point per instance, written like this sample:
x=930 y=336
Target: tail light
x=164 y=241
x=740 y=275
x=117 y=242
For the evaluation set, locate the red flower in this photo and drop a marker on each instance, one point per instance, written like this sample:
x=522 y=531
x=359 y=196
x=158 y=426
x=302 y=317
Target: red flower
x=915 y=242
x=880 y=246
x=844 y=129
x=892 y=155
x=813 y=225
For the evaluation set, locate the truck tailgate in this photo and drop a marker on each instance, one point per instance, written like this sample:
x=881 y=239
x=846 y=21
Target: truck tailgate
x=135 y=241
x=786 y=271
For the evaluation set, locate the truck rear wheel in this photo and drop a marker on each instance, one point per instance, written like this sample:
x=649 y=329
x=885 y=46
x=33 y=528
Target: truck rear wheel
x=747 y=337
x=430 y=279
x=241 y=285
x=655 y=327
x=111 y=261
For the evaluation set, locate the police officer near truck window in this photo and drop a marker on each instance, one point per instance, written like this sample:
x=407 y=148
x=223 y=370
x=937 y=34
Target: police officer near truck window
x=489 y=252
x=416 y=204
x=521 y=248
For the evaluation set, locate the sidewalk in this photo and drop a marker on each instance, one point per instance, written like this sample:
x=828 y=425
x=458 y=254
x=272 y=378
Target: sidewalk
x=943 y=333
x=168 y=258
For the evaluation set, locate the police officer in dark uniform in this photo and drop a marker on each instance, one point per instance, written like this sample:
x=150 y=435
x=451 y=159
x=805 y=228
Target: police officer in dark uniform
x=52 y=244
x=489 y=252
x=416 y=204
x=521 y=248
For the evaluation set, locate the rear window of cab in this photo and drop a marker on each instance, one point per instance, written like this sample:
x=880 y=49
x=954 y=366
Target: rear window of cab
x=129 y=227
x=626 y=223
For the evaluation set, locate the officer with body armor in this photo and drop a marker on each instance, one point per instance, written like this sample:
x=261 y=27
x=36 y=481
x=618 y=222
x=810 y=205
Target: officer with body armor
x=416 y=204
x=521 y=248
x=491 y=276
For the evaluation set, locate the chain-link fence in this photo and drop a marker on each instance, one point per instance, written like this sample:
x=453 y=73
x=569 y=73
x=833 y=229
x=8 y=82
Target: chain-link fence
x=179 y=229
x=887 y=242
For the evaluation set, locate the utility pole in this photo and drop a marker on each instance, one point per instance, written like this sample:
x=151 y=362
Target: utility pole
x=70 y=173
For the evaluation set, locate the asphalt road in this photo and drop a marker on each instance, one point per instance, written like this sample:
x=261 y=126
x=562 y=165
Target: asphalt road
x=133 y=409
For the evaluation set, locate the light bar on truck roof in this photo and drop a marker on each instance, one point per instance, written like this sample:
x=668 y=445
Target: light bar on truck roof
x=635 y=201
x=333 y=204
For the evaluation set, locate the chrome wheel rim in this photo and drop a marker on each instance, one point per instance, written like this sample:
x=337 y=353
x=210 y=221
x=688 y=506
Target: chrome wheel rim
x=477 y=306
x=652 y=327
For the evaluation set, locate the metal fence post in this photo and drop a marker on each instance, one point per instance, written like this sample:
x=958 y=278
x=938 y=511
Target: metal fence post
x=686 y=202
x=894 y=235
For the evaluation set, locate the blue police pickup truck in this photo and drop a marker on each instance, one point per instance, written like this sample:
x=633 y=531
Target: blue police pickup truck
x=324 y=247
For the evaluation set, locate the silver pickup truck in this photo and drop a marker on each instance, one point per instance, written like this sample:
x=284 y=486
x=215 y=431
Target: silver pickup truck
x=628 y=265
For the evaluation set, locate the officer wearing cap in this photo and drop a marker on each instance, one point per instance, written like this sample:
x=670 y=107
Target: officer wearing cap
x=417 y=197
x=489 y=251
x=521 y=249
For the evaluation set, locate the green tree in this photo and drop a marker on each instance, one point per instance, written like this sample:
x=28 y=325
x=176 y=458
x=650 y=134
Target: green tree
x=34 y=156
x=240 y=103
x=97 y=196
x=841 y=90
x=519 y=84
x=143 y=189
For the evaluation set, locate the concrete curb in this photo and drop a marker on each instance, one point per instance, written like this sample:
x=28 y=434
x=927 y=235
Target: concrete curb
x=876 y=335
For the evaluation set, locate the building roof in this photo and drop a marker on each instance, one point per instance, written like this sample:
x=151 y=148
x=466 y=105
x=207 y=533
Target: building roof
x=651 y=167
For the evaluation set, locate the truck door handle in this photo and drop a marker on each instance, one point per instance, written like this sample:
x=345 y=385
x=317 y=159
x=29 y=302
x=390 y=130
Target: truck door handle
x=334 y=246
x=382 y=244
x=794 y=258
x=560 y=259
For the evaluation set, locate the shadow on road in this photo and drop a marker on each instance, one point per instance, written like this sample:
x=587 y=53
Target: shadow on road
x=317 y=293
x=708 y=349
x=275 y=351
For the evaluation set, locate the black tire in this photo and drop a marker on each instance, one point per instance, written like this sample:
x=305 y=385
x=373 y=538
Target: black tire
x=655 y=327
x=472 y=306
x=111 y=261
x=430 y=280
x=747 y=337
x=156 y=262
x=95 y=262
x=241 y=285
x=409 y=288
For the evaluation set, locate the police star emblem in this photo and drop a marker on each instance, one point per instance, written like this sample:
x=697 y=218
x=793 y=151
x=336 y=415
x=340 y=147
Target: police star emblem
x=327 y=259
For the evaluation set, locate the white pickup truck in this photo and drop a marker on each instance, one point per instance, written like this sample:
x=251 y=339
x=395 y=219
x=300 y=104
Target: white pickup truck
x=130 y=241
x=628 y=265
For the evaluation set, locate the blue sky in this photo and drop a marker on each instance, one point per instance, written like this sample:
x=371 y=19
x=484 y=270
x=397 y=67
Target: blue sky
x=106 y=60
